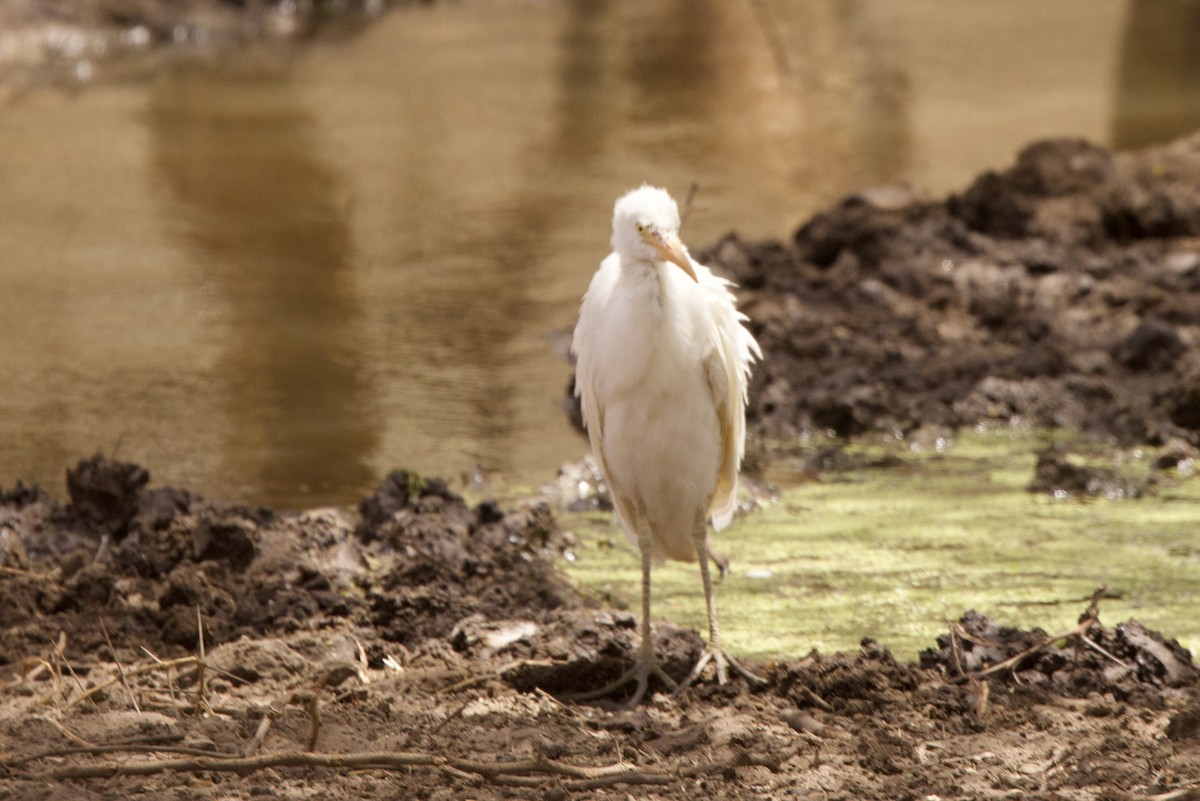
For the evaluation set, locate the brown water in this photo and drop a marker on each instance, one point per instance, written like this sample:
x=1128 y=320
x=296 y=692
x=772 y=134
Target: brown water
x=273 y=281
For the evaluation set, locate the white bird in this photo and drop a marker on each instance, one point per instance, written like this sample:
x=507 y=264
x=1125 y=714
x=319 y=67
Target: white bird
x=662 y=363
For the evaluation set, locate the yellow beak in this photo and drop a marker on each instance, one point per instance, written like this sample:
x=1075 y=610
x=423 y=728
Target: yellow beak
x=669 y=248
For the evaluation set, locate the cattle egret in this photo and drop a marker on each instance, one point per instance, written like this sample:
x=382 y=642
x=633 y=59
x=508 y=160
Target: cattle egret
x=662 y=363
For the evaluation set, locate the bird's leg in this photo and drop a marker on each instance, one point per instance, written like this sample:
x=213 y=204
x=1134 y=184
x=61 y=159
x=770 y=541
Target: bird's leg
x=646 y=664
x=720 y=560
x=714 y=652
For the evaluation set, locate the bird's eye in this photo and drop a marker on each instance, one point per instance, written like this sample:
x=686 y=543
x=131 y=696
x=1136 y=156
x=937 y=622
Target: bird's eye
x=640 y=227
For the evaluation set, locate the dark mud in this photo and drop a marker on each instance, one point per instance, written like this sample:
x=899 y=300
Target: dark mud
x=1061 y=292
x=425 y=628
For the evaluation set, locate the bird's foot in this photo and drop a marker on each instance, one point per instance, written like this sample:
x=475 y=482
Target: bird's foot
x=723 y=661
x=640 y=673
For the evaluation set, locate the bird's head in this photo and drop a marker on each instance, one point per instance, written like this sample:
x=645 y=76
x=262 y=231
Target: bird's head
x=646 y=228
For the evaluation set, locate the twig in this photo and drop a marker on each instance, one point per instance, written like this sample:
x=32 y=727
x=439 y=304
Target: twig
x=260 y=733
x=1015 y=660
x=461 y=708
x=687 y=208
x=497 y=673
x=148 y=748
x=955 y=650
x=1087 y=620
x=1105 y=652
x=201 y=686
x=817 y=700
x=984 y=689
x=31 y=669
x=120 y=669
x=70 y=735
x=59 y=653
x=310 y=703
x=133 y=671
x=522 y=772
x=16 y=571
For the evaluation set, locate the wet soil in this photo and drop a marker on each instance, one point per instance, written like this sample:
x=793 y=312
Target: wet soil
x=155 y=644
x=1061 y=292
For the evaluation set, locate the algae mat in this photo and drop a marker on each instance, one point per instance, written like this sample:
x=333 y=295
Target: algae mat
x=906 y=539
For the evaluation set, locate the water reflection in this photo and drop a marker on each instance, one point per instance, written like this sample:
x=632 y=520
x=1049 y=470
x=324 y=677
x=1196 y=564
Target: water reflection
x=1158 y=87
x=263 y=219
x=352 y=260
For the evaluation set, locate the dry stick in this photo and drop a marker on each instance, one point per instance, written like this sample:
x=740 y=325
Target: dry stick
x=49 y=664
x=153 y=701
x=87 y=748
x=120 y=669
x=28 y=673
x=461 y=708
x=170 y=673
x=984 y=690
x=63 y=657
x=16 y=571
x=1090 y=618
x=1012 y=661
x=955 y=650
x=133 y=671
x=811 y=696
x=311 y=705
x=687 y=203
x=201 y=687
x=497 y=673
x=260 y=733
x=521 y=772
x=70 y=735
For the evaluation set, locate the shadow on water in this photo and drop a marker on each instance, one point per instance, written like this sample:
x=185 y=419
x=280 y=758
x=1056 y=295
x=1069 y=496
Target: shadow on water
x=261 y=215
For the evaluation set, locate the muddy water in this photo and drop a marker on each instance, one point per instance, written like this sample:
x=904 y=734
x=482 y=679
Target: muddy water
x=274 y=280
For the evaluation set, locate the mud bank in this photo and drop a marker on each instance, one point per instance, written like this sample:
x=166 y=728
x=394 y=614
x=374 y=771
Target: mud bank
x=155 y=643
x=1062 y=292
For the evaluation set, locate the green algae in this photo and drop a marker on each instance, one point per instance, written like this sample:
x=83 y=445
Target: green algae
x=893 y=553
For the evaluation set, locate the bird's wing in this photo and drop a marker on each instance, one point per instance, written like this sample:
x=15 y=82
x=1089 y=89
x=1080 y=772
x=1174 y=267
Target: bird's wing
x=587 y=382
x=727 y=368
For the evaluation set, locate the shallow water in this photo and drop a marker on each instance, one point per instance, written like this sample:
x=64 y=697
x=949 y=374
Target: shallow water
x=275 y=280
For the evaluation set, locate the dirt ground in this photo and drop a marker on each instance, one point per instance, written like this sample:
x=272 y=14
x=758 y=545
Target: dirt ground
x=154 y=644
x=1064 y=291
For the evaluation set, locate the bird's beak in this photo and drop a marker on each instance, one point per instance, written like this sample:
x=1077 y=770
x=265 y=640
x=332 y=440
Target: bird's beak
x=669 y=248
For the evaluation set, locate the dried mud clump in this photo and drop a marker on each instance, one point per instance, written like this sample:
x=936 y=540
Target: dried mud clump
x=1063 y=291
x=448 y=561
x=1125 y=660
x=1055 y=474
x=159 y=563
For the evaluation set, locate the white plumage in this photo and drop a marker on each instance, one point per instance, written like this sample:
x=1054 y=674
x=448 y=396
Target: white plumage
x=662 y=364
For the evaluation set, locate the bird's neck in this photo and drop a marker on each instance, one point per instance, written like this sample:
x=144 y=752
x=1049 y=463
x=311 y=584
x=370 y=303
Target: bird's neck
x=645 y=277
